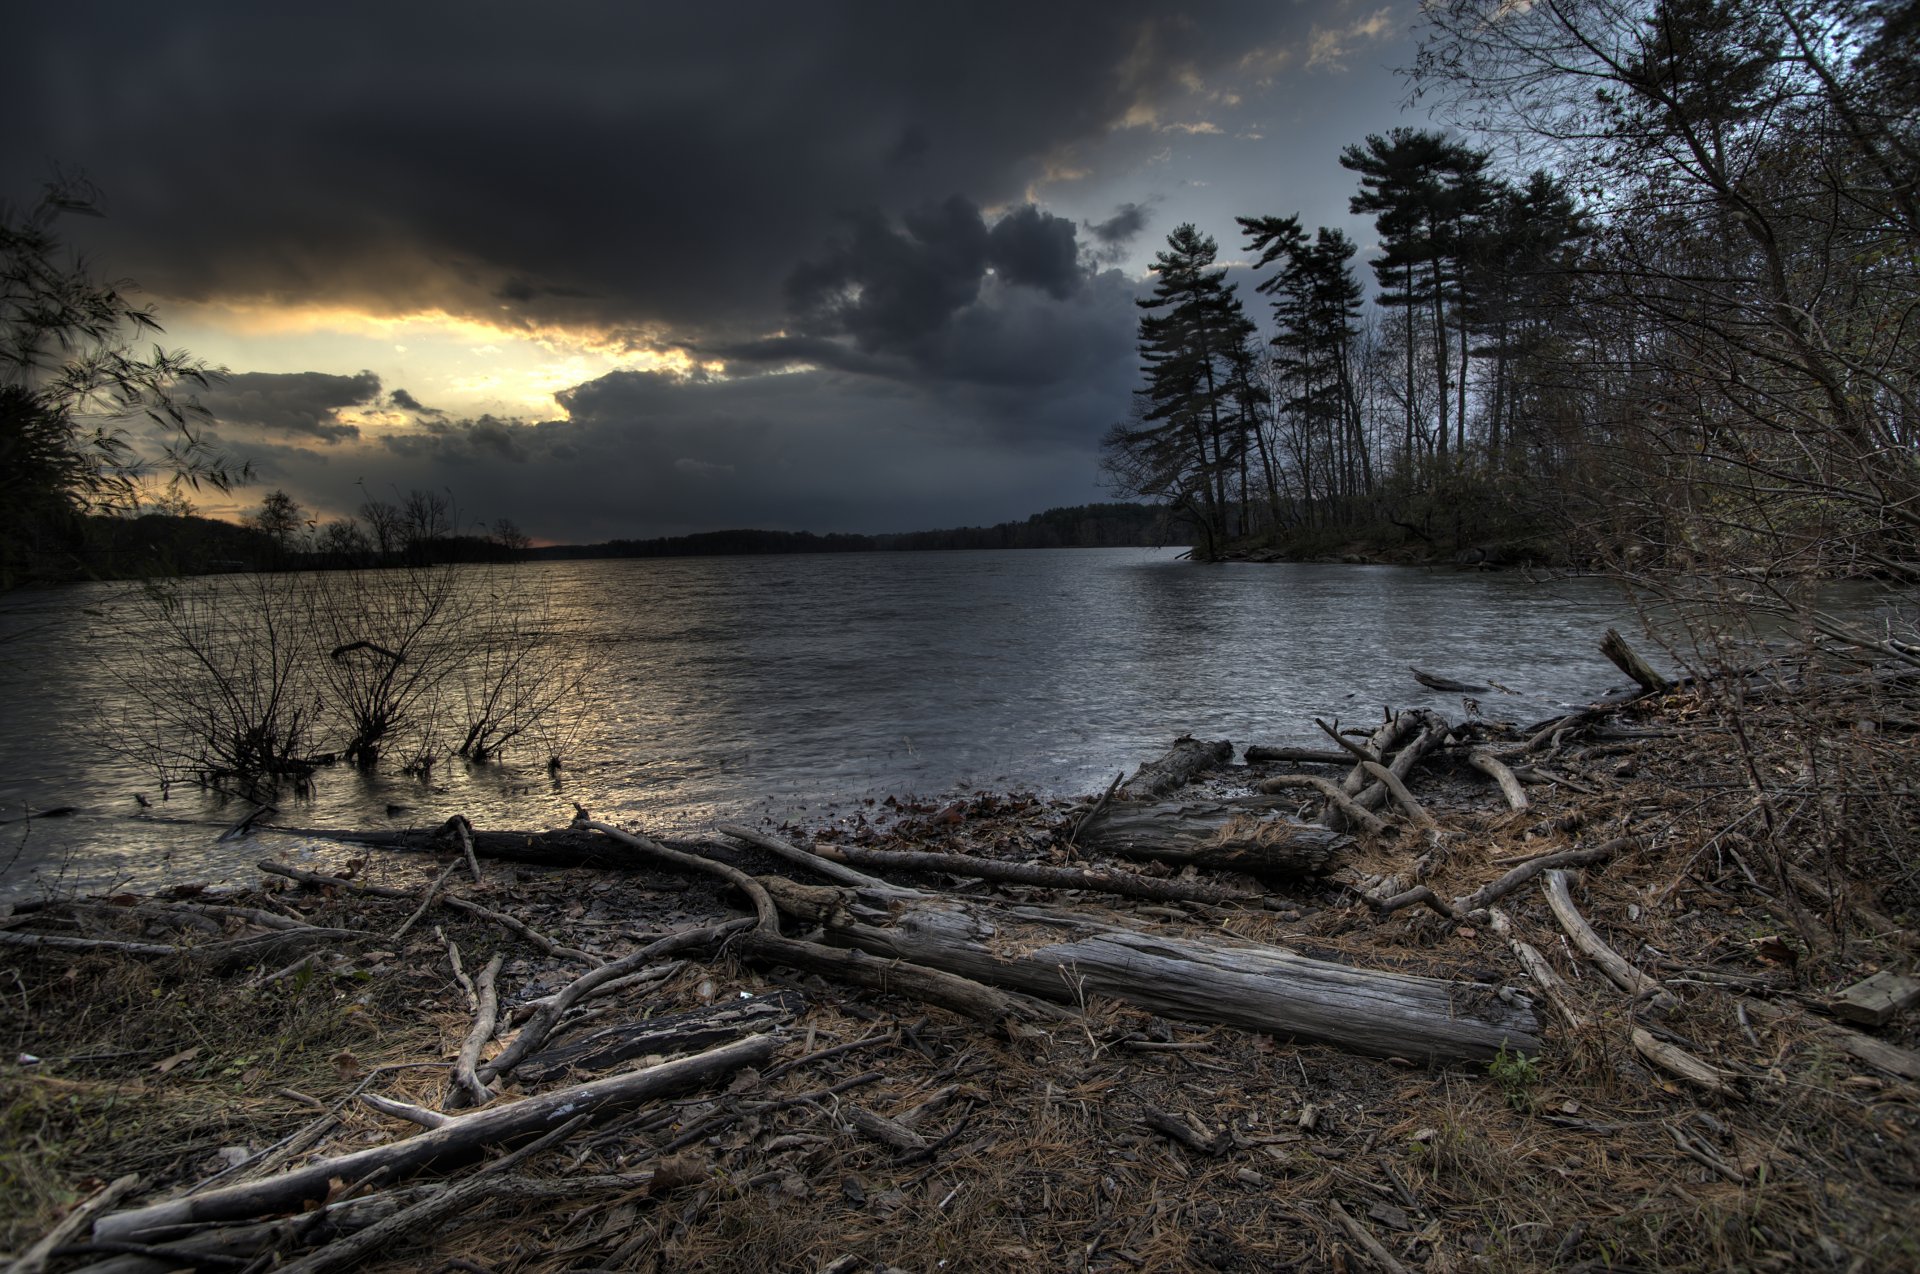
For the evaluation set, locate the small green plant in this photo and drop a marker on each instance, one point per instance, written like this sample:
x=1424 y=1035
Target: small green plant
x=1518 y=1075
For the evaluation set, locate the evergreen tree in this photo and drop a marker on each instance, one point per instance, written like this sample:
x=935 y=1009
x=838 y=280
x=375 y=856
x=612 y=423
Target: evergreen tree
x=1189 y=431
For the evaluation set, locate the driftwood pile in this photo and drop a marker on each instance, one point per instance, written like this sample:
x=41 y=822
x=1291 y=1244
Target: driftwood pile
x=632 y=1058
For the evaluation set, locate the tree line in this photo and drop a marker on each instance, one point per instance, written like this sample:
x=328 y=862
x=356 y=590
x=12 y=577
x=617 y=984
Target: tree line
x=1654 y=303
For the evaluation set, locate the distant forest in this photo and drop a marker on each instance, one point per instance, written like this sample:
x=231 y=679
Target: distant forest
x=1081 y=526
x=416 y=533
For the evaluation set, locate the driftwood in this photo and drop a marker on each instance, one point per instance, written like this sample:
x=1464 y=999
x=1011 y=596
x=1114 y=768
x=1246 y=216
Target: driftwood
x=1878 y=1054
x=670 y=1035
x=1627 y=660
x=232 y=953
x=830 y=868
x=1067 y=957
x=1542 y=973
x=1401 y=796
x=1335 y=795
x=765 y=941
x=1124 y=884
x=1224 y=835
x=485 y=1015
x=1496 y=769
x=460 y=1140
x=35 y=1258
x=1677 y=1061
x=535 y=1031
x=1447 y=685
x=501 y=918
x=1185 y=761
x=1618 y=969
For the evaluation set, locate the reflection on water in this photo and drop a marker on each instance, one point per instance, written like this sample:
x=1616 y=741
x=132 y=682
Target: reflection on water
x=742 y=687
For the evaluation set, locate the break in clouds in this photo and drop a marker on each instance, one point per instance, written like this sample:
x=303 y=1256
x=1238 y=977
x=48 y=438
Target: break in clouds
x=928 y=362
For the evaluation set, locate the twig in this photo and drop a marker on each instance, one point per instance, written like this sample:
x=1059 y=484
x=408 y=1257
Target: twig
x=426 y=901
x=806 y=858
x=547 y=945
x=1364 y=1237
x=1074 y=836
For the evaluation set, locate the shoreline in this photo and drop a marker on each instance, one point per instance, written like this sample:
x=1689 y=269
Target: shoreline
x=994 y=1146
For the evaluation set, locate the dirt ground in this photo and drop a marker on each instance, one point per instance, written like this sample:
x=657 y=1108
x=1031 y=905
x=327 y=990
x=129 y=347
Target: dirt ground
x=1772 y=862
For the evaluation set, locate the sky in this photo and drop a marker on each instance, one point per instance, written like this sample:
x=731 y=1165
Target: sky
x=623 y=270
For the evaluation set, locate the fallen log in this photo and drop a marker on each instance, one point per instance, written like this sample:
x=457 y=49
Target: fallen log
x=765 y=941
x=1066 y=957
x=564 y=847
x=1237 y=835
x=1185 y=761
x=1123 y=884
x=461 y=1139
x=1628 y=660
x=1259 y=755
x=1447 y=685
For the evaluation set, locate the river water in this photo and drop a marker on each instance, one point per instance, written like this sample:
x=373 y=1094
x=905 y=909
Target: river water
x=791 y=687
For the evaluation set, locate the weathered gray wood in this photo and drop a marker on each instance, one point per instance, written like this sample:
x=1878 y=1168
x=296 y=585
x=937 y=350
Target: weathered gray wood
x=461 y=1139
x=1185 y=761
x=1125 y=884
x=1067 y=957
x=666 y=1036
x=1237 y=835
x=1874 y=1001
x=1628 y=660
x=1494 y=768
x=1621 y=971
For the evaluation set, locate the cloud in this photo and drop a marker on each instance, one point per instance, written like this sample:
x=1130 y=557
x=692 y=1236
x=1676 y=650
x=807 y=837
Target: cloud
x=627 y=165
x=1329 y=47
x=407 y=402
x=300 y=403
x=894 y=289
x=1035 y=249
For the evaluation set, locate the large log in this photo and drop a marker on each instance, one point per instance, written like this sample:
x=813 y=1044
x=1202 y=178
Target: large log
x=1234 y=835
x=1066 y=957
x=1185 y=761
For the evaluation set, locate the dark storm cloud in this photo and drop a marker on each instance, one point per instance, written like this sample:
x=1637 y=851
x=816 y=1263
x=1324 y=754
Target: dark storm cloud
x=292 y=403
x=407 y=402
x=1037 y=250
x=621 y=164
x=895 y=289
x=1127 y=221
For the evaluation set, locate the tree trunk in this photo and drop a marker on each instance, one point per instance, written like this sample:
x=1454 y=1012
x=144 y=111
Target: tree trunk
x=1185 y=760
x=1060 y=956
x=1225 y=835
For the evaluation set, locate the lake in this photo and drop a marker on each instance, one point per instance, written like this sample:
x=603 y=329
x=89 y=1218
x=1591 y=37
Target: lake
x=794 y=687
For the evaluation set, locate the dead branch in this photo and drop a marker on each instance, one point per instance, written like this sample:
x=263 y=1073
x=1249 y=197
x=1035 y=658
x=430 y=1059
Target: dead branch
x=458 y=1141
x=1618 y=969
x=1496 y=769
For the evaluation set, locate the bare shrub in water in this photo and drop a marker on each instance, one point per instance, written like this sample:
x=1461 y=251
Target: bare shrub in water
x=241 y=682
